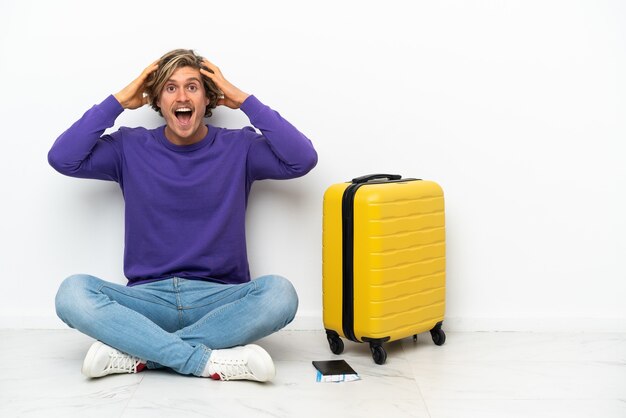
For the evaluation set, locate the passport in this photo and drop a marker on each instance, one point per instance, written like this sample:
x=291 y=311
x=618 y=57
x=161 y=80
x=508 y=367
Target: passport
x=334 y=371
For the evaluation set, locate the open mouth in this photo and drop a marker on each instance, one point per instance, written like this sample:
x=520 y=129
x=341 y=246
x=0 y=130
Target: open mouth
x=183 y=115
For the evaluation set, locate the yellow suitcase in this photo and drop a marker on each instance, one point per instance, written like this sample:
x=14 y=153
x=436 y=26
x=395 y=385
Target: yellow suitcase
x=384 y=264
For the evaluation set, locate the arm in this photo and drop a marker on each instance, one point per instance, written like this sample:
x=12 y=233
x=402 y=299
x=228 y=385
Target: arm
x=281 y=151
x=82 y=151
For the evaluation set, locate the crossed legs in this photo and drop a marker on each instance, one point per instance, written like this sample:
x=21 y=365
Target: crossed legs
x=176 y=323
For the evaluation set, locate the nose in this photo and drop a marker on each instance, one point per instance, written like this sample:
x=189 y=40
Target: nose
x=181 y=95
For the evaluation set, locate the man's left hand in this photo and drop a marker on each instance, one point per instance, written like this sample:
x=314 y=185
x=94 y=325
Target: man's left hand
x=233 y=97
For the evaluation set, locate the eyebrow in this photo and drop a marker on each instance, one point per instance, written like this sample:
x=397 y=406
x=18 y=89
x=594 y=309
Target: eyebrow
x=171 y=80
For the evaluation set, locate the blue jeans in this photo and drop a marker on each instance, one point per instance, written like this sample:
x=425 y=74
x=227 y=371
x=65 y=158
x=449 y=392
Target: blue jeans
x=176 y=322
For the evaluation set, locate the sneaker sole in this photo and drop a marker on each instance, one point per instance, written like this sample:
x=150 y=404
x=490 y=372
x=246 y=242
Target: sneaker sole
x=90 y=358
x=269 y=371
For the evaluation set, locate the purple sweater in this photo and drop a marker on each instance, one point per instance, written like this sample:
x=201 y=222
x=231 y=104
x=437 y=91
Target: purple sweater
x=184 y=205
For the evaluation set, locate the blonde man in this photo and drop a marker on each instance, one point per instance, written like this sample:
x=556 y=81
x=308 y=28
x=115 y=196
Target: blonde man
x=190 y=304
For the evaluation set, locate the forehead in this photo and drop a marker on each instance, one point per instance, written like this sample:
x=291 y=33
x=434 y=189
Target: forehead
x=183 y=74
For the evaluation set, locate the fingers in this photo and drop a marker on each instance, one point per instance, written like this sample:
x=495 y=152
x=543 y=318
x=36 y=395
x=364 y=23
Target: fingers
x=133 y=95
x=138 y=84
x=209 y=73
x=141 y=81
x=210 y=65
x=230 y=96
x=211 y=70
x=150 y=69
x=214 y=73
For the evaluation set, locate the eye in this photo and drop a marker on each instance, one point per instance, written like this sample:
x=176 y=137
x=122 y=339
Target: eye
x=192 y=88
x=170 y=89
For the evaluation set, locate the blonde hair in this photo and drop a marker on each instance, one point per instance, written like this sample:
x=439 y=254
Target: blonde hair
x=171 y=62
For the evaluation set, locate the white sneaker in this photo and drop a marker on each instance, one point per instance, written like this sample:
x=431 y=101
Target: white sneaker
x=102 y=360
x=249 y=362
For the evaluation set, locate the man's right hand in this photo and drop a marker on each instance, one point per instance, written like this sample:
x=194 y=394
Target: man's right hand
x=132 y=96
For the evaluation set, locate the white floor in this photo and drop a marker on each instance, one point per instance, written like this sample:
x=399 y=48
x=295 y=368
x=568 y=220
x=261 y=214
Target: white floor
x=472 y=375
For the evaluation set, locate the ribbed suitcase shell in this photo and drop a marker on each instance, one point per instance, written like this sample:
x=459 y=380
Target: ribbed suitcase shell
x=398 y=259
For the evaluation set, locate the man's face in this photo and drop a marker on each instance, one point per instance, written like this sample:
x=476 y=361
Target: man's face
x=183 y=102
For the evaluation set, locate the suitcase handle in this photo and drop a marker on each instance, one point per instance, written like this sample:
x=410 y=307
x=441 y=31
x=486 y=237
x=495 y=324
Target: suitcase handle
x=366 y=178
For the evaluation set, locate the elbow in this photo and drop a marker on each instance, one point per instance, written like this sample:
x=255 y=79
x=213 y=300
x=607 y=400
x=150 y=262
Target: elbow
x=58 y=163
x=310 y=161
x=307 y=162
x=54 y=160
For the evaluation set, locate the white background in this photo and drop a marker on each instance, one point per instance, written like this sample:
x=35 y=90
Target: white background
x=517 y=108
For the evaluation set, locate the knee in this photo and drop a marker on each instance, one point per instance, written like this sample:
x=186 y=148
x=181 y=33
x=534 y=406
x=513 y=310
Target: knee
x=71 y=294
x=281 y=298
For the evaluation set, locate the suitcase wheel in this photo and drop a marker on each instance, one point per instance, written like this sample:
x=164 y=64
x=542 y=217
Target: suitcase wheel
x=336 y=345
x=439 y=337
x=378 y=353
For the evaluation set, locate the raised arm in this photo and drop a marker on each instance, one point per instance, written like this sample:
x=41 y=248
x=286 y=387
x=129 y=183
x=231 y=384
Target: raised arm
x=281 y=151
x=82 y=151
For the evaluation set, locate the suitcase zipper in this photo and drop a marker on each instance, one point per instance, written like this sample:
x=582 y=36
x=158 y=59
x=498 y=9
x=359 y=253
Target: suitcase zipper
x=347 y=210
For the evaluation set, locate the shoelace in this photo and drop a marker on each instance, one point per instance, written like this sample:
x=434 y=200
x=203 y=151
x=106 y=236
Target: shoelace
x=231 y=369
x=122 y=363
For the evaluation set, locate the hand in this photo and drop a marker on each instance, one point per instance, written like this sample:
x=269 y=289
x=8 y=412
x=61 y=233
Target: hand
x=132 y=96
x=233 y=97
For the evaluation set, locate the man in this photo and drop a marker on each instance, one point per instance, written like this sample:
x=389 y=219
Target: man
x=189 y=304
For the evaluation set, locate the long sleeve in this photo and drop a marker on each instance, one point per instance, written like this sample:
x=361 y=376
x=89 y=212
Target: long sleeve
x=82 y=151
x=281 y=151
x=184 y=205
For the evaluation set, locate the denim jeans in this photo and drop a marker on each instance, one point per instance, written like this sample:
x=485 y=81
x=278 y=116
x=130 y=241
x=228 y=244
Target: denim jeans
x=176 y=322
